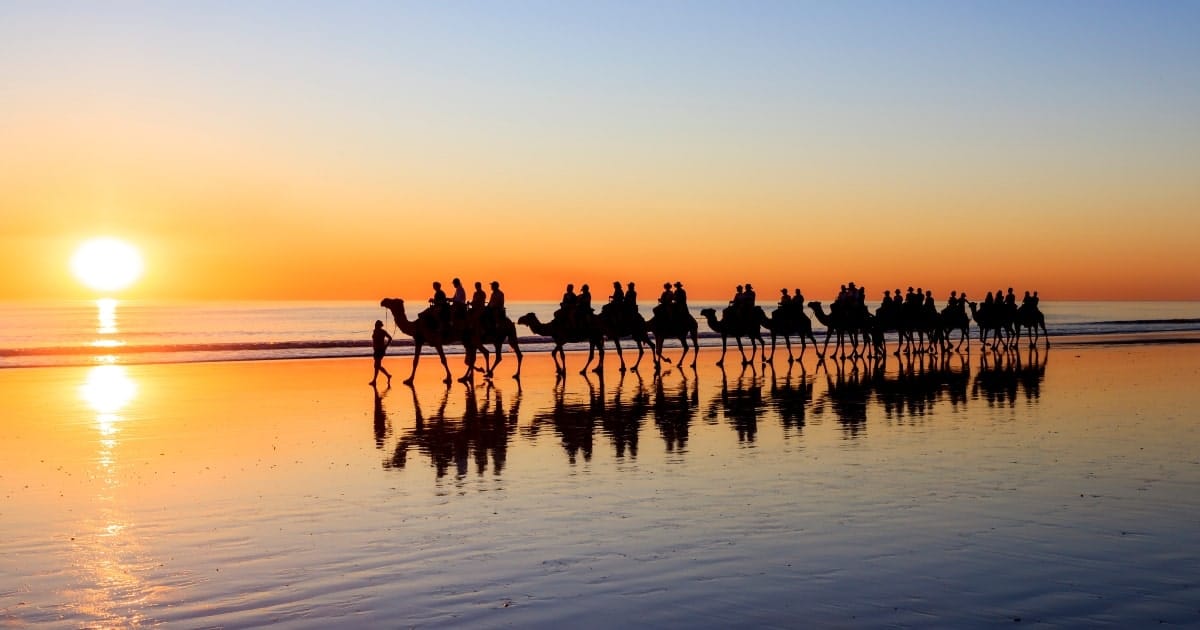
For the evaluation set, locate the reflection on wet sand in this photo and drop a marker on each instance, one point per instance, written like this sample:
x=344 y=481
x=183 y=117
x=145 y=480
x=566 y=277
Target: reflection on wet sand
x=907 y=391
x=740 y=405
x=109 y=560
x=674 y=407
x=480 y=433
x=1003 y=377
x=790 y=397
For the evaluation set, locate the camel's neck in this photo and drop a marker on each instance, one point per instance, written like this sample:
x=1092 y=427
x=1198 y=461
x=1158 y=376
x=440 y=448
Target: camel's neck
x=539 y=328
x=402 y=322
x=713 y=322
x=820 y=315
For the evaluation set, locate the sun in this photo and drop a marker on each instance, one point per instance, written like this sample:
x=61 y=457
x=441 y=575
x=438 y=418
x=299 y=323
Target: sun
x=106 y=264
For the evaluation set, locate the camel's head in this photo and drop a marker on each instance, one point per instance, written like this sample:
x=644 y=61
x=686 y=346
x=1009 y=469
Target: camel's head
x=815 y=305
x=390 y=303
x=528 y=319
x=708 y=312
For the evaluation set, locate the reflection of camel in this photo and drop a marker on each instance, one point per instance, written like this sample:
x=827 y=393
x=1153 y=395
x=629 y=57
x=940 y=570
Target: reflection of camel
x=1001 y=379
x=737 y=327
x=740 y=405
x=674 y=410
x=785 y=322
x=574 y=422
x=675 y=326
x=622 y=420
x=478 y=436
x=842 y=325
x=848 y=396
x=561 y=334
x=1029 y=316
x=426 y=330
x=790 y=400
x=921 y=382
x=616 y=323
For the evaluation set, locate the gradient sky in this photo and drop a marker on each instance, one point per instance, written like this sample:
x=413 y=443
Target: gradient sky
x=356 y=150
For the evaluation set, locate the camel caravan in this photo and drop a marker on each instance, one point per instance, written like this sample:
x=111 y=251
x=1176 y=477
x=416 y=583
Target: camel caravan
x=481 y=325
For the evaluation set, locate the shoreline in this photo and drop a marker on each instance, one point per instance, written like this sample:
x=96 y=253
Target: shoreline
x=530 y=345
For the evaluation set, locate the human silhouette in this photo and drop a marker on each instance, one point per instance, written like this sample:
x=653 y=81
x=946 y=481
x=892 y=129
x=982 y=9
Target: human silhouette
x=618 y=294
x=679 y=298
x=496 y=302
x=667 y=297
x=631 y=298
x=380 y=340
x=478 y=298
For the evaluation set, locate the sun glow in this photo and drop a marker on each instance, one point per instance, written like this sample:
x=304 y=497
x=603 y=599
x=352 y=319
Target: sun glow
x=106 y=264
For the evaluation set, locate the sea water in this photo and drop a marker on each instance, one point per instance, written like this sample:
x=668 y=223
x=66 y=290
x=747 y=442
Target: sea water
x=133 y=332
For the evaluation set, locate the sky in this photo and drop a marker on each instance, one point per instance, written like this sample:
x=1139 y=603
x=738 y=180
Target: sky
x=352 y=150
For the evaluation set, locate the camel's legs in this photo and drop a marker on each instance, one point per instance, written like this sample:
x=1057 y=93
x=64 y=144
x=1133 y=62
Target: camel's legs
x=416 y=359
x=442 y=355
x=742 y=350
x=517 y=351
x=721 y=361
x=559 y=368
x=620 y=355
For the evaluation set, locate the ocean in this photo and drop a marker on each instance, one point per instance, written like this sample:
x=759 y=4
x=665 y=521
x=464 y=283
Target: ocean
x=136 y=332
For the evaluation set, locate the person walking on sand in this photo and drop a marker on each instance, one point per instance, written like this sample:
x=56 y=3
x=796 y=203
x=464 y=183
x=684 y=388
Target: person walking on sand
x=380 y=340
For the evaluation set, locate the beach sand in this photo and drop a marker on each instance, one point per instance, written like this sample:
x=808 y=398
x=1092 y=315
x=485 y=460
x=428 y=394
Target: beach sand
x=1063 y=490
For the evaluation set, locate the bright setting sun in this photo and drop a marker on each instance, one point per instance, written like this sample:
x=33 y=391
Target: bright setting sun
x=106 y=264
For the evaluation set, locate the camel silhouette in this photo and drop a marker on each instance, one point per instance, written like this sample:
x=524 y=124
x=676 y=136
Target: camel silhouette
x=991 y=320
x=615 y=324
x=561 y=334
x=785 y=322
x=426 y=331
x=495 y=332
x=841 y=325
x=1031 y=317
x=737 y=327
x=675 y=326
x=954 y=317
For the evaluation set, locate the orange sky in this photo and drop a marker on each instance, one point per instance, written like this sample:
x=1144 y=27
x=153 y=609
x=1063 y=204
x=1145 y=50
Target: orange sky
x=261 y=161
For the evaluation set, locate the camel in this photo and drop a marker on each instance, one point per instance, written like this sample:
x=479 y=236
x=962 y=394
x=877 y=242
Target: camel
x=988 y=320
x=424 y=332
x=955 y=318
x=499 y=331
x=839 y=325
x=1031 y=317
x=674 y=326
x=616 y=324
x=562 y=334
x=785 y=322
x=737 y=328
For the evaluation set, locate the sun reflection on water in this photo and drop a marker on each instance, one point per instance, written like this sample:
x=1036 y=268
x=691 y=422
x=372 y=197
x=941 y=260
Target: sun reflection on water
x=110 y=558
x=108 y=389
x=106 y=314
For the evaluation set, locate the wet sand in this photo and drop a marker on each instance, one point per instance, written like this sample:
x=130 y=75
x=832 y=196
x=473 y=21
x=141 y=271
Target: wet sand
x=1060 y=488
